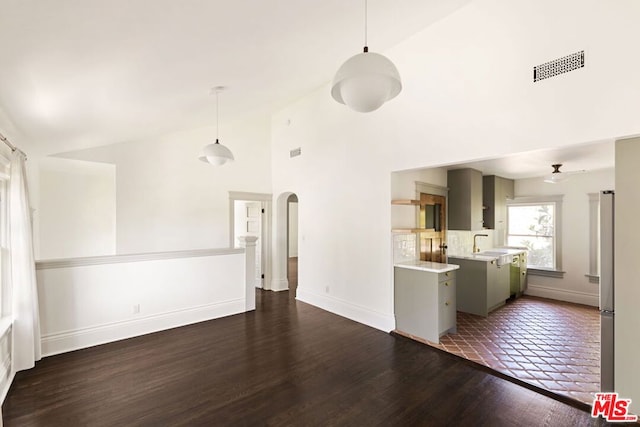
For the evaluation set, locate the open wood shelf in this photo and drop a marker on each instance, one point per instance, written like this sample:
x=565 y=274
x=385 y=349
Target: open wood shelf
x=412 y=230
x=405 y=202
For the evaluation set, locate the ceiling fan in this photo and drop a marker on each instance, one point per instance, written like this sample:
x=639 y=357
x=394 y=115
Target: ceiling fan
x=557 y=175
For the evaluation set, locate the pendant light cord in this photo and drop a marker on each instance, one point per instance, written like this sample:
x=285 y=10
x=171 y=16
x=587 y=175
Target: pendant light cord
x=366 y=48
x=217 y=90
x=217 y=114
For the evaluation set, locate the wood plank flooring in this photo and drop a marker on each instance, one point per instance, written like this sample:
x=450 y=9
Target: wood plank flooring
x=287 y=363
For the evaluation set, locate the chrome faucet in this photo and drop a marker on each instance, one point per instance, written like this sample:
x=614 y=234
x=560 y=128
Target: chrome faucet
x=475 y=244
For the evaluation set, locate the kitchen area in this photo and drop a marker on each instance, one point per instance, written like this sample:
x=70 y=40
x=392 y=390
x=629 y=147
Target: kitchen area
x=473 y=219
x=460 y=284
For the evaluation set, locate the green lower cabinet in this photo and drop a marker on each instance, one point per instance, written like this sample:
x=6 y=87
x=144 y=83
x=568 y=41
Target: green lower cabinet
x=523 y=272
x=481 y=286
x=425 y=303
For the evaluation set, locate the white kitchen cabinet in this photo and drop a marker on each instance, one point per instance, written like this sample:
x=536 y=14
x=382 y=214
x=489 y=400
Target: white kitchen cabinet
x=425 y=299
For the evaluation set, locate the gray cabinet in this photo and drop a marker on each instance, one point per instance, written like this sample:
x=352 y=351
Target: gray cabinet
x=495 y=192
x=481 y=286
x=425 y=303
x=465 y=199
x=523 y=272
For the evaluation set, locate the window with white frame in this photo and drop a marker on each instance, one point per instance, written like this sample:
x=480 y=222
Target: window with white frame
x=534 y=223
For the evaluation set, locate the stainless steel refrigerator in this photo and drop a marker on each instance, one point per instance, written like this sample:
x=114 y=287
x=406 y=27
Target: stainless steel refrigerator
x=607 y=287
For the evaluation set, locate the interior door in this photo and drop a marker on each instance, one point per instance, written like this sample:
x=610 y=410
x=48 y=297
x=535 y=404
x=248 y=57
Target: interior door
x=250 y=223
x=433 y=219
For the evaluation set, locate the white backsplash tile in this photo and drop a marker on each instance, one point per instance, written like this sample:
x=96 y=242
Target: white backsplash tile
x=404 y=247
x=458 y=242
x=461 y=242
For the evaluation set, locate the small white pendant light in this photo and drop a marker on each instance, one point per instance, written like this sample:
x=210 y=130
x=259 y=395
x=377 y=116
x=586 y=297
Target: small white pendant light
x=367 y=80
x=216 y=154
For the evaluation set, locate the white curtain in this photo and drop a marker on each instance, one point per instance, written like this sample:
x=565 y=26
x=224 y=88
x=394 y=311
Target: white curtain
x=24 y=291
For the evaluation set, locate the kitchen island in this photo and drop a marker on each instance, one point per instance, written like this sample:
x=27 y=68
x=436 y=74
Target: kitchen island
x=425 y=299
x=482 y=283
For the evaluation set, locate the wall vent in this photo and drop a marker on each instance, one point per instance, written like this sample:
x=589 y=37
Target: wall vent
x=558 y=66
x=295 y=152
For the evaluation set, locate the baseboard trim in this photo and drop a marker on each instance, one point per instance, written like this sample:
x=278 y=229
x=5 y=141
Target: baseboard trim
x=66 y=341
x=377 y=320
x=563 y=295
x=278 y=285
x=6 y=386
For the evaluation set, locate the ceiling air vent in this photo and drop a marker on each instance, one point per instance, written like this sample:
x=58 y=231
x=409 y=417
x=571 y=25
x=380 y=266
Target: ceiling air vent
x=558 y=66
x=295 y=152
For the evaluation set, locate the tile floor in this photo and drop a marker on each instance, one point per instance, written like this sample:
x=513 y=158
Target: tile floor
x=550 y=344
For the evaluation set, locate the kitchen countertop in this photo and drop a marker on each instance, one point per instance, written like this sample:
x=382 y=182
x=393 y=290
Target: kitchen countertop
x=505 y=251
x=432 y=267
x=476 y=257
x=501 y=255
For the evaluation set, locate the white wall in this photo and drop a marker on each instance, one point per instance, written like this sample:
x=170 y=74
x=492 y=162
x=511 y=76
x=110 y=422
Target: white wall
x=627 y=292
x=82 y=305
x=574 y=286
x=468 y=95
x=166 y=199
x=468 y=92
x=77 y=208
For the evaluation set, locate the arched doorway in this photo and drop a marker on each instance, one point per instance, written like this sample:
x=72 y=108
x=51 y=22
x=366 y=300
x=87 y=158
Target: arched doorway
x=286 y=250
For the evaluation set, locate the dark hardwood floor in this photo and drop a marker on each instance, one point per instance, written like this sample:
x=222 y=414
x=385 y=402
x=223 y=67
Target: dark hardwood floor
x=287 y=363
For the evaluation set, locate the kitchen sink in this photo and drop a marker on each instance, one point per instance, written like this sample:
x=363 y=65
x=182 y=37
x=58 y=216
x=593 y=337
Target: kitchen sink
x=503 y=256
x=494 y=253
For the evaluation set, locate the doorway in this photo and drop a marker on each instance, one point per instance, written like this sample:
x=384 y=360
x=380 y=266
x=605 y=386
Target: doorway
x=432 y=221
x=292 y=244
x=248 y=222
x=287 y=238
x=250 y=215
x=433 y=216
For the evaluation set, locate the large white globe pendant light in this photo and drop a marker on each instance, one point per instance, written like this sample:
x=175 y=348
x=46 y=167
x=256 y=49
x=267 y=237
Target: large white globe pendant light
x=367 y=80
x=216 y=154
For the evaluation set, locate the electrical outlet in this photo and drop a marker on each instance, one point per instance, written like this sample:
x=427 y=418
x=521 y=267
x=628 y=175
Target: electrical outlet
x=136 y=308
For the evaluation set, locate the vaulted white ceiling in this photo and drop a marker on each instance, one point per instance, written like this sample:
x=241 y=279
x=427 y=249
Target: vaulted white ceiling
x=82 y=73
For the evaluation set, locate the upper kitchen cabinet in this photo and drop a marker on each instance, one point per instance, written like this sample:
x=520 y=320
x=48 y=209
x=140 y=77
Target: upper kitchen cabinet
x=465 y=199
x=495 y=192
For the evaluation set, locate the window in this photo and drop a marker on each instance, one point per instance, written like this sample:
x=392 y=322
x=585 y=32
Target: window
x=534 y=223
